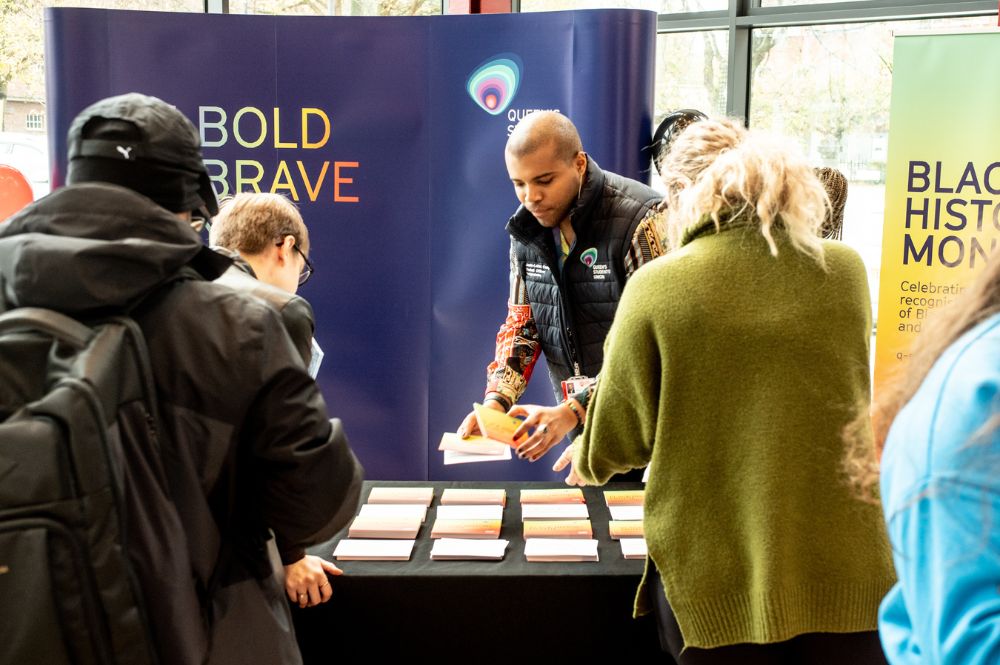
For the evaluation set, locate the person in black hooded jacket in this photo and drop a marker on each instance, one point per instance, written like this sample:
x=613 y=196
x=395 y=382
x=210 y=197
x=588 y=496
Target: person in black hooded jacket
x=247 y=444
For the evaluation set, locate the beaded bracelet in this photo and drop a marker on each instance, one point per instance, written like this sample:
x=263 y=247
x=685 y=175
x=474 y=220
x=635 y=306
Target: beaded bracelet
x=576 y=411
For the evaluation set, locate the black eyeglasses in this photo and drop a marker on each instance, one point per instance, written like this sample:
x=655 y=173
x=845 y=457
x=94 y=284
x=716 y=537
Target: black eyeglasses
x=307 y=269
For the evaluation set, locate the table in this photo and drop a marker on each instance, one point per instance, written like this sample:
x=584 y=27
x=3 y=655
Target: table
x=483 y=612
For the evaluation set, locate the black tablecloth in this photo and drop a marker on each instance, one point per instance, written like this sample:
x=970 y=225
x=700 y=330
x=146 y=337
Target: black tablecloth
x=471 y=611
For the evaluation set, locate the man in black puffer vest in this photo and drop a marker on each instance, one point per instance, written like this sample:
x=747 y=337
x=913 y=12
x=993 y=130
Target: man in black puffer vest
x=579 y=234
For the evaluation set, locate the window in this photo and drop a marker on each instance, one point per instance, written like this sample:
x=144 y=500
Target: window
x=35 y=120
x=691 y=69
x=337 y=7
x=828 y=87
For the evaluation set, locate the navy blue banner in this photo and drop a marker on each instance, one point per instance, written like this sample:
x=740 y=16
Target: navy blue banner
x=389 y=134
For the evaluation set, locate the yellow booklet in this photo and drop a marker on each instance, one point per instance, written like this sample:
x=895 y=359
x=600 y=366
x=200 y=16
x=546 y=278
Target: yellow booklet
x=497 y=425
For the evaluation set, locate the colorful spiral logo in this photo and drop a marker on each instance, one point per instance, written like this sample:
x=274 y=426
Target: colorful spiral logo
x=589 y=257
x=494 y=83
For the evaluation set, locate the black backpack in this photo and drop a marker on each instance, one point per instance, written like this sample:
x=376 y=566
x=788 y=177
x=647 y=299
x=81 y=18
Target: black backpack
x=85 y=515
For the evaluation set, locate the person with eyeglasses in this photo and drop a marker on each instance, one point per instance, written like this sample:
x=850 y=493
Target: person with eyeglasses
x=268 y=241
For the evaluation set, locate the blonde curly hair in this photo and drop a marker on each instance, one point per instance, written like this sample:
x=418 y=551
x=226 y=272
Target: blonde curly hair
x=721 y=169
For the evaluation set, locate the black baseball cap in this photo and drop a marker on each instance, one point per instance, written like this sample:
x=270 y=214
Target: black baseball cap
x=145 y=144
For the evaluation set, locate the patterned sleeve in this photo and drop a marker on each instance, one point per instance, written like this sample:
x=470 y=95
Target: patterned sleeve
x=517 y=345
x=646 y=243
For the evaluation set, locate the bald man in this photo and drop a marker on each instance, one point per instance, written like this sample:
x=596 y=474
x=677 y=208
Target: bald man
x=578 y=235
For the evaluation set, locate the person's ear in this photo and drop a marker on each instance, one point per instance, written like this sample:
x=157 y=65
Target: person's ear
x=285 y=249
x=581 y=163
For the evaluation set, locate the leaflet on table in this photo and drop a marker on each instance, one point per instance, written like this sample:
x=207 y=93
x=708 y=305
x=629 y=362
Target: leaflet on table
x=376 y=527
x=626 y=513
x=560 y=549
x=470 y=497
x=373 y=550
x=454 y=457
x=470 y=512
x=452 y=549
x=567 y=495
x=633 y=548
x=497 y=425
x=422 y=495
x=474 y=445
x=624 y=497
x=625 y=529
x=554 y=511
x=466 y=529
x=393 y=511
x=558 y=529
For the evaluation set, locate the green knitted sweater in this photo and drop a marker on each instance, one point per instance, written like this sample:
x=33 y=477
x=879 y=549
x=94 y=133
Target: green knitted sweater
x=733 y=373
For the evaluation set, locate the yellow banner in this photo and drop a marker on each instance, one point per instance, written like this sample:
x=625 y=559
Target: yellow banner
x=942 y=212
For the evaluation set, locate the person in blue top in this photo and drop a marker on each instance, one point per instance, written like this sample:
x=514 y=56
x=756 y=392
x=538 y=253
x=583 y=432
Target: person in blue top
x=940 y=487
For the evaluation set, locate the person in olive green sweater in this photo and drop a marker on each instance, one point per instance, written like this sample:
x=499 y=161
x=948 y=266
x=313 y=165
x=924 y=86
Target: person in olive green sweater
x=732 y=367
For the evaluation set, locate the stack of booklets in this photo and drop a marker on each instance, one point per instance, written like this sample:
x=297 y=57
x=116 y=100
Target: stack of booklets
x=554 y=504
x=633 y=548
x=561 y=495
x=402 y=528
x=373 y=550
x=474 y=449
x=467 y=525
x=386 y=526
x=625 y=505
x=557 y=529
x=419 y=495
x=560 y=549
x=472 y=528
x=625 y=529
x=394 y=511
x=455 y=549
x=474 y=512
x=473 y=497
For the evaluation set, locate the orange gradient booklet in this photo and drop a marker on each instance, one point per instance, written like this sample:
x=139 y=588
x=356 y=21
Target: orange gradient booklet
x=381 y=527
x=422 y=495
x=466 y=529
x=568 y=495
x=496 y=425
x=624 y=497
x=558 y=529
x=625 y=529
x=482 y=497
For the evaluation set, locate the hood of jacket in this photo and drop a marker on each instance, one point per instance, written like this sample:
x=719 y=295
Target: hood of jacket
x=95 y=246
